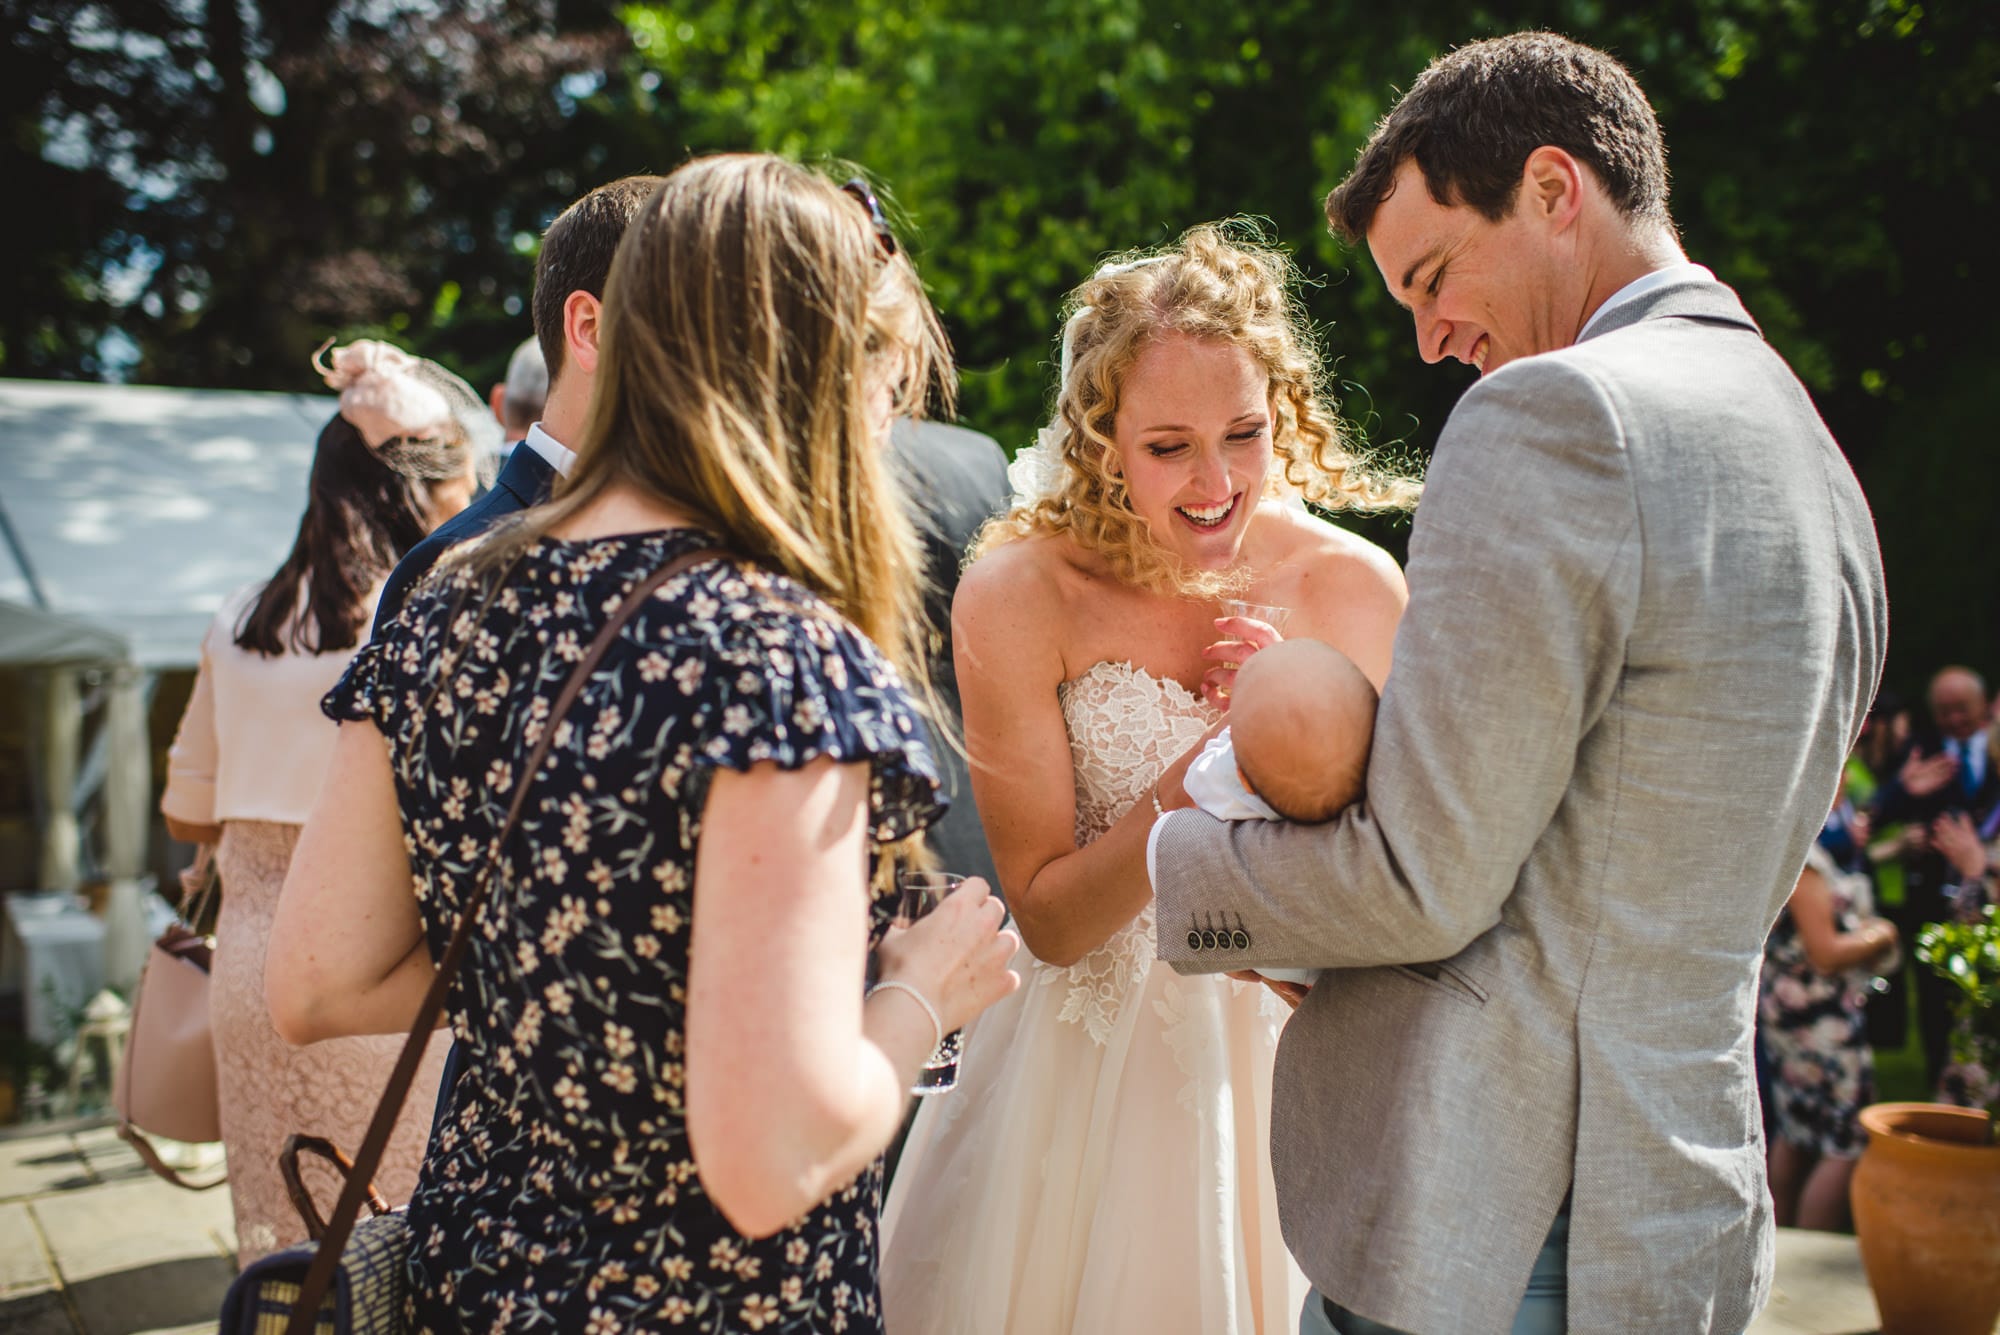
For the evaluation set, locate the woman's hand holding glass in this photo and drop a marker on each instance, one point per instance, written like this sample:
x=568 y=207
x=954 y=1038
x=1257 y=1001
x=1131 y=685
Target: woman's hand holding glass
x=955 y=956
x=1245 y=628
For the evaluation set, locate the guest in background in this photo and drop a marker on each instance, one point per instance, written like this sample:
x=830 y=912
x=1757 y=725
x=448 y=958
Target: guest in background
x=1816 y=975
x=955 y=480
x=1969 y=853
x=569 y=290
x=518 y=400
x=247 y=762
x=1948 y=769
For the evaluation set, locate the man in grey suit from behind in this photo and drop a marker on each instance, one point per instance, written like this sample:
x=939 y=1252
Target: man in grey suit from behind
x=1646 y=618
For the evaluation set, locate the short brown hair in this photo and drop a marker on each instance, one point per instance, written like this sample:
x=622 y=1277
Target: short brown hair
x=1472 y=118
x=576 y=255
x=751 y=310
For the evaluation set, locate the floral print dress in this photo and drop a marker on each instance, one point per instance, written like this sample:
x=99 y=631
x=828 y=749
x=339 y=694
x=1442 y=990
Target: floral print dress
x=561 y=1193
x=1814 y=1030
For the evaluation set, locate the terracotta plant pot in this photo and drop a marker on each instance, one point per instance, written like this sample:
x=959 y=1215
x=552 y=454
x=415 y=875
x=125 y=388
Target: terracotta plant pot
x=1926 y=1198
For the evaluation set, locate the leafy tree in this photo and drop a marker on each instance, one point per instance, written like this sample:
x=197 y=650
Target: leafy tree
x=224 y=185
x=1832 y=161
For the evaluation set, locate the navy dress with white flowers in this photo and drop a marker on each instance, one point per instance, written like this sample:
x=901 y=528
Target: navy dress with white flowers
x=561 y=1193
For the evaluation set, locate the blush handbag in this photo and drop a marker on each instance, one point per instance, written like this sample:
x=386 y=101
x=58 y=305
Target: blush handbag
x=353 y=1278
x=165 y=1084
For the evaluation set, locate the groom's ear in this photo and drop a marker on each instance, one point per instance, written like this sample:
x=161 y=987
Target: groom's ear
x=1552 y=187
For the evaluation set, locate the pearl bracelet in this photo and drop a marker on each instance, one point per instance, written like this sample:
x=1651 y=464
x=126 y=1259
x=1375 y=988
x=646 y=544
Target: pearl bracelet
x=1158 y=810
x=930 y=1011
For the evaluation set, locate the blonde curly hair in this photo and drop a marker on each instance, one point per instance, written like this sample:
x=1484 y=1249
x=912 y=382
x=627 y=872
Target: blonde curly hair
x=1220 y=282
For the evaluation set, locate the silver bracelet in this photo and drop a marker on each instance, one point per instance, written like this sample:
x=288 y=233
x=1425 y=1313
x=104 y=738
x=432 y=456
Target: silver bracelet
x=930 y=1011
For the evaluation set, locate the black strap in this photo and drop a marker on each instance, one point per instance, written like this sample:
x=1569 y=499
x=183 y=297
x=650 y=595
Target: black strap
x=360 y=1180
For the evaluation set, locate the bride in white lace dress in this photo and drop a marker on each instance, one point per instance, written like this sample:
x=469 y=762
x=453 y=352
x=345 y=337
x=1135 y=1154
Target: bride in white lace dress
x=1103 y=1164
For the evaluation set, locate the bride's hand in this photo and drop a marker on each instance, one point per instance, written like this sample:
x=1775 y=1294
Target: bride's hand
x=1290 y=993
x=1242 y=637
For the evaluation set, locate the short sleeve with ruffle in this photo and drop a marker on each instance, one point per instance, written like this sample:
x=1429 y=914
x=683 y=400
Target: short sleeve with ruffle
x=788 y=682
x=354 y=697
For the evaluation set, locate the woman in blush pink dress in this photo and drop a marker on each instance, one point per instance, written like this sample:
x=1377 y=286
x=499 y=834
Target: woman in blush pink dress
x=253 y=745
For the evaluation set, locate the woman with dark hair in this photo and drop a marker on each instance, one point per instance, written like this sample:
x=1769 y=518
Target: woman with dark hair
x=252 y=747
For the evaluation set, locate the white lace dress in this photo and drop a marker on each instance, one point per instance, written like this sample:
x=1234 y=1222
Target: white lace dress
x=1103 y=1165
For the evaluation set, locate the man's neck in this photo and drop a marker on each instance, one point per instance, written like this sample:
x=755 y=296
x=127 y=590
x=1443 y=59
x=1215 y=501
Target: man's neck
x=1628 y=254
x=569 y=403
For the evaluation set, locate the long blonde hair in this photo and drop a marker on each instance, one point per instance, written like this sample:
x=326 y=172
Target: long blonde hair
x=751 y=308
x=1223 y=283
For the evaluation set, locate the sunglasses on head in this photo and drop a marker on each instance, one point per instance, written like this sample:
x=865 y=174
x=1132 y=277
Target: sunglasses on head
x=858 y=188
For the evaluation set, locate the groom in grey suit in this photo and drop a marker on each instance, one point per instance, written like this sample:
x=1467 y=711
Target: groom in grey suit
x=1646 y=619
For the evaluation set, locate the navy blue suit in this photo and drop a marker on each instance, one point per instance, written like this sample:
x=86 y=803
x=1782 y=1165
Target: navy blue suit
x=526 y=479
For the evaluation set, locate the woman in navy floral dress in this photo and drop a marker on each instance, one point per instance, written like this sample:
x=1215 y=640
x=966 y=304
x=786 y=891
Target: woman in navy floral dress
x=649 y=1135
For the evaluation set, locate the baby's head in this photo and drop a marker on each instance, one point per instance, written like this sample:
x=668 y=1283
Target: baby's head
x=1301 y=717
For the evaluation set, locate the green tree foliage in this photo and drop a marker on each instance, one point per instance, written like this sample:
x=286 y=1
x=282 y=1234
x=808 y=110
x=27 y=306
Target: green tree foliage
x=225 y=184
x=1832 y=160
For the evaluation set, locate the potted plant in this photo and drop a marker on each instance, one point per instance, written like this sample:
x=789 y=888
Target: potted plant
x=1926 y=1193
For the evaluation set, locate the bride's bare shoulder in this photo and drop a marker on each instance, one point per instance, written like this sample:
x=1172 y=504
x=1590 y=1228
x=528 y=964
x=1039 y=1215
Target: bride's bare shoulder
x=1334 y=557
x=1011 y=605
x=1037 y=572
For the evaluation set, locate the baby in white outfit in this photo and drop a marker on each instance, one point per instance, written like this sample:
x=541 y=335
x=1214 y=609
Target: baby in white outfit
x=1301 y=718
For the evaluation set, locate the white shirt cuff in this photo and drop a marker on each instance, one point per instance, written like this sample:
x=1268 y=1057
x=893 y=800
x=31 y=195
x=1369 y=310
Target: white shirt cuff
x=1152 y=844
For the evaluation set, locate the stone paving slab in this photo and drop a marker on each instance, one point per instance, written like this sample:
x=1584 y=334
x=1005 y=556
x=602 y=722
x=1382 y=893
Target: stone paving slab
x=1821 y=1288
x=132 y=1254
x=37 y=1314
x=127 y=1225
x=178 y=1295
x=39 y=1165
x=24 y=1265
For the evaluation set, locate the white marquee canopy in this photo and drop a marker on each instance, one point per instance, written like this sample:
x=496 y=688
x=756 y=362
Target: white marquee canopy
x=132 y=511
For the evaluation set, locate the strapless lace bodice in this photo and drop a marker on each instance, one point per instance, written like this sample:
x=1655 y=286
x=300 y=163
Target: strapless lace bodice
x=1125 y=726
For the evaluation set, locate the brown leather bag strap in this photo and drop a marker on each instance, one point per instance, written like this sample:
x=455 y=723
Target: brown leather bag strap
x=360 y=1179
x=149 y=1156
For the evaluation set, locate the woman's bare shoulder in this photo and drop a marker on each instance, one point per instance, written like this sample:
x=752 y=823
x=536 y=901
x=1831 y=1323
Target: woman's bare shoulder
x=1341 y=560
x=1029 y=572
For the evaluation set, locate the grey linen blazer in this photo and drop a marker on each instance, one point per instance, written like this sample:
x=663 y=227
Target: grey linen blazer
x=1646 y=618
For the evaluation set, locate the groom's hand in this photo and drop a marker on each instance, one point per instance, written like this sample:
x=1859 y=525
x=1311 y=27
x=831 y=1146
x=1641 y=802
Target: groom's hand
x=1292 y=993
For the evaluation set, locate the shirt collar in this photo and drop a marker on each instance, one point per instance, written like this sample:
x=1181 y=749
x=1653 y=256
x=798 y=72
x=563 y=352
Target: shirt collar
x=1683 y=272
x=558 y=455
